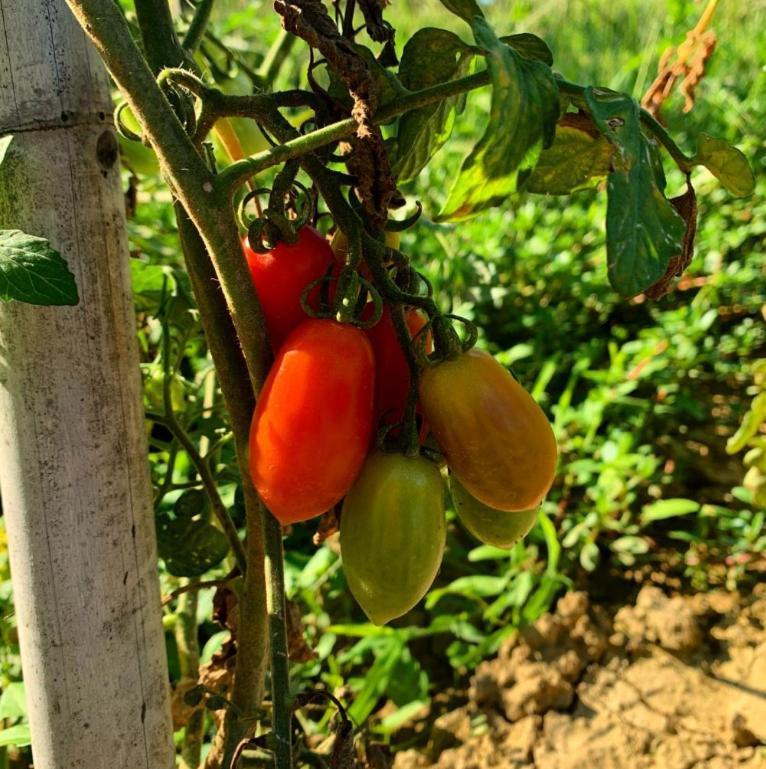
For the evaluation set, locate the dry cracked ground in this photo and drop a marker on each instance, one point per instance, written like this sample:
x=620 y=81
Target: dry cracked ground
x=668 y=683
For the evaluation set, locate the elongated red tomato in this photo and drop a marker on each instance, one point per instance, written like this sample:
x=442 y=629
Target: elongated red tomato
x=312 y=425
x=392 y=374
x=496 y=439
x=281 y=275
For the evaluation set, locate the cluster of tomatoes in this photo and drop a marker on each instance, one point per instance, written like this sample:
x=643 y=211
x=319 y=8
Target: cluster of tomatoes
x=312 y=439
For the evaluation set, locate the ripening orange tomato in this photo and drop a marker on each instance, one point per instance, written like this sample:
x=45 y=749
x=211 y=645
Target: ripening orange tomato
x=497 y=441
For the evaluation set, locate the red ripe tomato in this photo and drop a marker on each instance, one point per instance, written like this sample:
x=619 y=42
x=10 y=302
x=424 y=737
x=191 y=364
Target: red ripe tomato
x=281 y=275
x=497 y=441
x=313 y=421
x=392 y=374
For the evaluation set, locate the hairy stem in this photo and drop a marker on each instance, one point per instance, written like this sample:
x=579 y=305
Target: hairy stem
x=280 y=664
x=255 y=106
x=199 y=22
x=187 y=643
x=276 y=57
x=158 y=34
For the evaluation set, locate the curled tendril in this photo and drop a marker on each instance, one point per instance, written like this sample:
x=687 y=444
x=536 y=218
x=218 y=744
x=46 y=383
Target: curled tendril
x=183 y=77
x=426 y=282
x=351 y=302
x=420 y=344
x=381 y=436
x=377 y=306
x=183 y=88
x=123 y=129
x=242 y=218
x=304 y=203
x=346 y=294
x=324 y=311
x=306 y=698
x=275 y=225
x=400 y=225
x=472 y=333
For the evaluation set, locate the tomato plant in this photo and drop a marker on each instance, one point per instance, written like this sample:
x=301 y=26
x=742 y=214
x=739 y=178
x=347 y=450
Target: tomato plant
x=496 y=439
x=392 y=534
x=360 y=120
x=311 y=428
x=282 y=274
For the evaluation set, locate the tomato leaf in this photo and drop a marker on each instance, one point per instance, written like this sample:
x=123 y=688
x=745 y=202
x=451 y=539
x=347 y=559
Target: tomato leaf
x=727 y=164
x=387 y=85
x=575 y=161
x=376 y=679
x=530 y=46
x=186 y=540
x=465 y=9
x=13 y=701
x=522 y=119
x=32 y=271
x=668 y=508
x=590 y=556
x=686 y=206
x=643 y=229
x=17 y=736
x=430 y=57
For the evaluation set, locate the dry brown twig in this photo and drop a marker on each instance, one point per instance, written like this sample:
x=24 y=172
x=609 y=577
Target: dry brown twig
x=687 y=63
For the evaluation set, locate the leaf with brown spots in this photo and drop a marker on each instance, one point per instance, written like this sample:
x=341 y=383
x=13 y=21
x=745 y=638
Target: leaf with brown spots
x=686 y=206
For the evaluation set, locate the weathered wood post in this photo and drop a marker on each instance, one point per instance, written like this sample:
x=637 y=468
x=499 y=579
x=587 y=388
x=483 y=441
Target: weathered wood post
x=73 y=472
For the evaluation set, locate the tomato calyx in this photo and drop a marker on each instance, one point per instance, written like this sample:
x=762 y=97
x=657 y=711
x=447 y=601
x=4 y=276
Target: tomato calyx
x=291 y=206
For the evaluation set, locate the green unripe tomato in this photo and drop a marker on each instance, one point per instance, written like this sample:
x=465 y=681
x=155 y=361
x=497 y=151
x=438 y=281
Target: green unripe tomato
x=392 y=534
x=488 y=525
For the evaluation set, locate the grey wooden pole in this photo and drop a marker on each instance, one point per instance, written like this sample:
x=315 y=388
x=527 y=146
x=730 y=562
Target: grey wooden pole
x=73 y=472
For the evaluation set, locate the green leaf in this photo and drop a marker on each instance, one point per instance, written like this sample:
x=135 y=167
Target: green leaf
x=575 y=161
x=17 y=736
x=487 y=553
x=430 y=57
x=476 y=587
x=631 y=544
x=396 y=720
x=33 y=272
x=590 y=555
x=643 y=229
x=387 y=85
x=376 y=680
x=13 y=701
x=408 y=680
x=466 y=9
x=727 y=164
x=668 y=508
x=530 y=46
x=750 y=425
x=551 y=543
x=522 y=120
x=186 y=541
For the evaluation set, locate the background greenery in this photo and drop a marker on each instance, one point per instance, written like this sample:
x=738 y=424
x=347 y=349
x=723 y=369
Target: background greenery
x=643 y=395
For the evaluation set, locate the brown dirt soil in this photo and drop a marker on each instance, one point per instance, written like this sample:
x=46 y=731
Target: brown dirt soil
x=668 y=683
